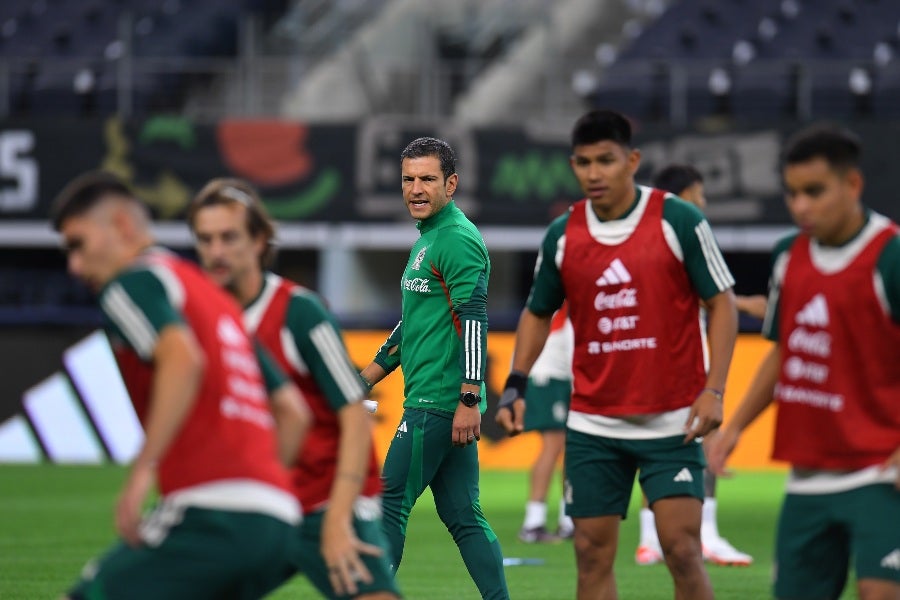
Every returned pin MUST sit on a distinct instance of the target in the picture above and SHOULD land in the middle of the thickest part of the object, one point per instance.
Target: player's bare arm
(758, 397)
(755, 305)
(293, 418)
(179, 368)
(340, 546)
(531, 335)
(706, 412)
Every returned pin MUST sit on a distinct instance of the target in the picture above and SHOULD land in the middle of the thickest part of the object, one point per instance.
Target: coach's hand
(466, 425)
(511, 409)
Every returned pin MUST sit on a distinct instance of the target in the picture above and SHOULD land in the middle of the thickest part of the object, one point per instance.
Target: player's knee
(593, 554)
(683, 556)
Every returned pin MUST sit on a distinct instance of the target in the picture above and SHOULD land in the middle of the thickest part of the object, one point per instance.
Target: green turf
(52, 519)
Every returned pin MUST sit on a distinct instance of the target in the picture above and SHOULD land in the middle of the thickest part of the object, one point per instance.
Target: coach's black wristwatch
(470, 399)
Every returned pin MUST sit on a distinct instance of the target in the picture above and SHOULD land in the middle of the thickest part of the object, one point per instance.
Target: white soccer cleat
(371, 405)
(648, 554)
(718, 551)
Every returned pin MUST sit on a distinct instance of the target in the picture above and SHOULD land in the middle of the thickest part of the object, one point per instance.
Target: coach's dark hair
(839, 146)
(86, 191)
(677, 178)
(600, 126)
(429, 146)
(227, 191)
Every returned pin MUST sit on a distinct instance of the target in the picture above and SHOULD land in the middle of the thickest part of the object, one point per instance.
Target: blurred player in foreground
(225, 521)
(336, 475)
(834, 315)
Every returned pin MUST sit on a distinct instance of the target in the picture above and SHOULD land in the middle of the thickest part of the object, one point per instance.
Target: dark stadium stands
(775, 59)
(63, 56)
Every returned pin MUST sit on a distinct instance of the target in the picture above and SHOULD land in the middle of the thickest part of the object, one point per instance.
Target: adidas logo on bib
(614, 274)
(814, 313)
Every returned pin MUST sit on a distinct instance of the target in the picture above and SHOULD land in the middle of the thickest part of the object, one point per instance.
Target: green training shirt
(441, 340)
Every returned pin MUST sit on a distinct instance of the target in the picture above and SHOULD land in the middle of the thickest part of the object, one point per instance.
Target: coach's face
(425, 190)
(605, 171)
(824, 201)
(224, 245)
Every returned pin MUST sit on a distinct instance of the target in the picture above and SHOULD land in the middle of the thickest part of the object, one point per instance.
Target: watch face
(469, 398)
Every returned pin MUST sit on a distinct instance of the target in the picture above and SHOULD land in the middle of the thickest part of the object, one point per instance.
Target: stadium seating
(62, 57)
(776, 59)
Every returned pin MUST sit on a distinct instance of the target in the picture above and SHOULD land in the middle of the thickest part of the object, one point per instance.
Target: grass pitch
(53, 519)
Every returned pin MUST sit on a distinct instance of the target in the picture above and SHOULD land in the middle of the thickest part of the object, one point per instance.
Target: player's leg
(648, 552)
(875, 529)
(716, 549)
(196, 554)
(407, 470)
(548, 406)
(672, 477)
(455, 490)
(565, 527)
(599, 477)
(534, 528)
(367, 526)
(812, 548)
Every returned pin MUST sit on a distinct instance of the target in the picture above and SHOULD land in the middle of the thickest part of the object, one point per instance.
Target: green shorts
(203, 553)
(819, 535)
(600, 472)
(307, 556)
(547, 404)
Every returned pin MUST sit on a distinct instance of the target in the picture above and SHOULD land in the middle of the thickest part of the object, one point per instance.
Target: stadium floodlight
(719, 82)
(859, 81)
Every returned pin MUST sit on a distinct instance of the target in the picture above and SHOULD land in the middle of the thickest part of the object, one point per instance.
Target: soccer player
(336, 475)
(633, 265)
(686, 182)
(441, 342)
(834, 315)
(548, 393)
(226, 517)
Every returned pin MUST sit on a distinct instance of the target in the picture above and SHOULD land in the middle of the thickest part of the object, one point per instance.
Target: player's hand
(341, 550)
(719, 448)
(466, 425)
(511, 417)
(705, 415)
(893, 461)
(511, 408)
(131, 501)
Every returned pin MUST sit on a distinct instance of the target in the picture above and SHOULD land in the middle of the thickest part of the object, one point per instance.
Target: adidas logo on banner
(815, 313)
(891, 561)
(614, 274)
(684, 475)
(80, 415)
